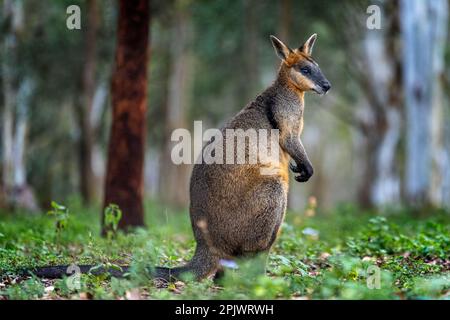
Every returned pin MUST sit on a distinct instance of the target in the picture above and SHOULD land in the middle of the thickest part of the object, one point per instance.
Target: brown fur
(235, 211)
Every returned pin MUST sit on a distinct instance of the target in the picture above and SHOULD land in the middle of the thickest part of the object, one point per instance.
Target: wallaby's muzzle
(322, 87)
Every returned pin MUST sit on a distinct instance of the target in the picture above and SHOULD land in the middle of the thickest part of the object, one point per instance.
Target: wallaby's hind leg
(263, 228)
(204, 263)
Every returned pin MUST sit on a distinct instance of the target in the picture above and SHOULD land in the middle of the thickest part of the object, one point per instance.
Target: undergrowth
(338, 254)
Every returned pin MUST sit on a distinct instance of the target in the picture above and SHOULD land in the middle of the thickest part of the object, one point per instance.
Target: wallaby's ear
(281, 49)
(309, 44)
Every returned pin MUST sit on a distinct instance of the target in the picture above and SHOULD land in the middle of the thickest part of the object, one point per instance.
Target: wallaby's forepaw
(305, 171)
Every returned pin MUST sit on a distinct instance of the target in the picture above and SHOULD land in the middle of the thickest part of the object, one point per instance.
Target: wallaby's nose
(326, 86)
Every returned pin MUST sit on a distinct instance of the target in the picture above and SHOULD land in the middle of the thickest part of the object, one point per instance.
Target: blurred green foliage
(411, 254)
(53, 57)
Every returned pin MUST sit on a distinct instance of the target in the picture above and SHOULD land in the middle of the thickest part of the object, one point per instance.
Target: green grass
(340, 254)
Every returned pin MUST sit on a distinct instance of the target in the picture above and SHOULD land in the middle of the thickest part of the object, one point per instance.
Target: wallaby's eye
(305, 70)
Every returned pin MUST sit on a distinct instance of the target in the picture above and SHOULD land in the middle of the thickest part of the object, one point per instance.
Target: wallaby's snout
(326, 86)
(323, 86)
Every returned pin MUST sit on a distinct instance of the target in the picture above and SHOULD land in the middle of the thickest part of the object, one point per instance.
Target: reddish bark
(124, 177)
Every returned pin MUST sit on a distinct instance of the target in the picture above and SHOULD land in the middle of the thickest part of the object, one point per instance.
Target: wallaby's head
(298, 67)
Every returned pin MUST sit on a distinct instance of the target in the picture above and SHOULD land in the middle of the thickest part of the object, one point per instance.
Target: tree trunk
(124, 178)
(421, 22)
(285, 20)
(382, 86)
(17, 192)
(98, 156)
(446, 143)
(22, 193)
(175, 178)
(440, 120)
(9, 95)
(386, 184)
(250, 83)
(446, 156)
(84, 105)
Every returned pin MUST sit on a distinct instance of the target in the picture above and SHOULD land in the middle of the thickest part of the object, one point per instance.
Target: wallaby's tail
(202, 265)
(171, 274)
(56, 272)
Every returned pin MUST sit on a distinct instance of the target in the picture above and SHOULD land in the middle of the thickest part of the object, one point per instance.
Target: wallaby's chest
(289, 119)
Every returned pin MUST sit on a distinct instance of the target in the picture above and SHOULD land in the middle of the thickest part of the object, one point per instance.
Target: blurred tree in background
(124, 182)
(424, 22)
(174, 182)
(84, 103)
(380, 138)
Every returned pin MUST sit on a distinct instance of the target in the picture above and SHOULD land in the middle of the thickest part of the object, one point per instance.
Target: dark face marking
(310, 69)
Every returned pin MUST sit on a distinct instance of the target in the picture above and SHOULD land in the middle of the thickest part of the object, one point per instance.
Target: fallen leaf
(84, 296)
(49, 289)
(133, 294)
(324, 255)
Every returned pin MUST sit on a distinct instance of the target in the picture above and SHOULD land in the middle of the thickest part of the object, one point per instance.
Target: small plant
(113, 214)
(28, 289)
(61, 214)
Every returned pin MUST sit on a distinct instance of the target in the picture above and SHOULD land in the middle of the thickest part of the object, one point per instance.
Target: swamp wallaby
(235, 210)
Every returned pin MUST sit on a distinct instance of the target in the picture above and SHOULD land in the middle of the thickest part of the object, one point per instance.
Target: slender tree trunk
(250, 83)
(440, 123)
(124, 178)
(421, 21)
(383, 89)
(17, 192)
(9, 47)
(285, 19)
(386, 185)
(175, 178)
(7, 133)
(98, 157)
(23, 195)
(84, 105)
(446, 156)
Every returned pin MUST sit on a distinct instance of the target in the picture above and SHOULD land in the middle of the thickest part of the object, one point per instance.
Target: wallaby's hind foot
(202, 265)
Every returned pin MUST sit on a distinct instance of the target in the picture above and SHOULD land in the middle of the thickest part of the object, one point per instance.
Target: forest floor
(339, 254)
